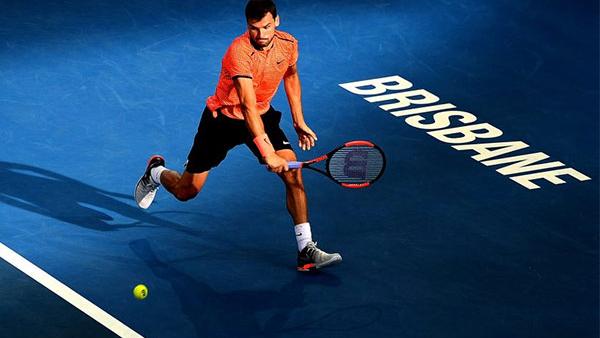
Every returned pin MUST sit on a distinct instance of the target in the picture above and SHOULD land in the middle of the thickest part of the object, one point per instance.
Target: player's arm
(293, 91)
(245, 91)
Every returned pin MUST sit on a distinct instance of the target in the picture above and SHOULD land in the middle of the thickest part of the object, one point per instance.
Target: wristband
(264, 145)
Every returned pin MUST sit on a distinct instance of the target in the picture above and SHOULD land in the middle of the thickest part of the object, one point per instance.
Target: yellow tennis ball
(140, 291)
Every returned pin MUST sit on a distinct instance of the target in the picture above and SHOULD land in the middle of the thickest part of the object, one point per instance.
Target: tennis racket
(356, 164)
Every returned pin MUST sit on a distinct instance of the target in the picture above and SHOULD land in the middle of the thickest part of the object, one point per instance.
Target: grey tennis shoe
(312, 258)
(146, 188)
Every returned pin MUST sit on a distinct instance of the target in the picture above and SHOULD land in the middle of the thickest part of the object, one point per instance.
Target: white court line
(66, 293)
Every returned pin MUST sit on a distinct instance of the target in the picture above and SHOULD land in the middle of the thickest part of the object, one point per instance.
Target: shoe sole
(147, 199)
(314, 267)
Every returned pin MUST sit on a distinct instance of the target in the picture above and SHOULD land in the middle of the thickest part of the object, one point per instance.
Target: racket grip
(294, 165)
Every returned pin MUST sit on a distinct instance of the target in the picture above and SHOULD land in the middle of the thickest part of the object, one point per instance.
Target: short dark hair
(257, 9)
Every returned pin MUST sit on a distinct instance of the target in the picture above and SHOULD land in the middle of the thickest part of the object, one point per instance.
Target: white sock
(155, 173)
(303, 235)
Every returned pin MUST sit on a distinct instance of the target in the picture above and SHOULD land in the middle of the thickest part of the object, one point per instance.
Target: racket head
(356, 164)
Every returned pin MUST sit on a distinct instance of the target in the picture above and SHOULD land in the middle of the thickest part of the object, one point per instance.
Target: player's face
(262, 31)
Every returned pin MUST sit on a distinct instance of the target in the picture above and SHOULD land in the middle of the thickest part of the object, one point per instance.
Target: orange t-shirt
(265, 67)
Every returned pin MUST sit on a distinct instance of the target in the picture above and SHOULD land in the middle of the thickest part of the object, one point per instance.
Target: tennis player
(239, 112)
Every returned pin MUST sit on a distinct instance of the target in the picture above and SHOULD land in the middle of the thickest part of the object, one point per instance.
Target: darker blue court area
(441, 246)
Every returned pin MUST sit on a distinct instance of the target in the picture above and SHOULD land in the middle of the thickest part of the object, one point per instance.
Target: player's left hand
(306, 137)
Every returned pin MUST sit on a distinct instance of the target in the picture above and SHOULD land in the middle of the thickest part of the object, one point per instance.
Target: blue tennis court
(443, 245)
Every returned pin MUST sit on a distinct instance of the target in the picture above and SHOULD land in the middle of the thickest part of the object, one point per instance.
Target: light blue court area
(443, 245)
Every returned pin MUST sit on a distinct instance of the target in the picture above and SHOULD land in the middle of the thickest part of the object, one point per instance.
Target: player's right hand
(276, 164)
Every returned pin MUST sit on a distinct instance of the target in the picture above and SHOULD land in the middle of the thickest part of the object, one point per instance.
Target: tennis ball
(140, 291)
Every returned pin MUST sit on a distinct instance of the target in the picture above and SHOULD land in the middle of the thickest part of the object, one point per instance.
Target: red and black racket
(356, 164)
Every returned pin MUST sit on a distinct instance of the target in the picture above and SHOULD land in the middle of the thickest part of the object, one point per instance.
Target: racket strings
(356, 164)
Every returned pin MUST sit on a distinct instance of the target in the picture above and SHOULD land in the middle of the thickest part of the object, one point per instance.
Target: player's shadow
(54, 195)
(236, 314)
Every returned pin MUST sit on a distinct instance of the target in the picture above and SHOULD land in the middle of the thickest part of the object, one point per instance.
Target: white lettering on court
(423, 111)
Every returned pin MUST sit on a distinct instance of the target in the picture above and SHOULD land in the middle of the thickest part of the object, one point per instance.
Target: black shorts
(216, 136)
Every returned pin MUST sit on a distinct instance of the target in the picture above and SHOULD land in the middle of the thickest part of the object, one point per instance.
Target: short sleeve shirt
(266, 68)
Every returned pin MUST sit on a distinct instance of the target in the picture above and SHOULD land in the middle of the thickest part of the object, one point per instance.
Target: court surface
(441, 246)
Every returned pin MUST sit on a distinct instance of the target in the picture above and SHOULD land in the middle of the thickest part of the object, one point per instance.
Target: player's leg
(183, 187)
(215, 137)
(294, 190)
(309, 256)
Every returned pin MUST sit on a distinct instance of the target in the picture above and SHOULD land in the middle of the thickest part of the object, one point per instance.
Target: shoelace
(313, 251)
(149, 183)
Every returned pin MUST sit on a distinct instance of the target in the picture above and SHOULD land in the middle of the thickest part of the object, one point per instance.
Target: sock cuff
(302, 228)
(156, 172)
(303, 234)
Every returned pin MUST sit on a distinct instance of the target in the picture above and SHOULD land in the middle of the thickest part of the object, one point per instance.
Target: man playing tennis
(240, 112)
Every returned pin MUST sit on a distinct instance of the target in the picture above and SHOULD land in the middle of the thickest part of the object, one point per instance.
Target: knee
(293, 178)
(186, 193)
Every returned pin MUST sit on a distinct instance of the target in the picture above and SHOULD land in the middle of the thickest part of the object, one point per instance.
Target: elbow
(292, 83)
(291, 79)
(245, 105)
(248, 108)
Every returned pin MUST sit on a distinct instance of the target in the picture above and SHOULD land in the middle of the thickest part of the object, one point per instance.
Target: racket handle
(294, 165)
